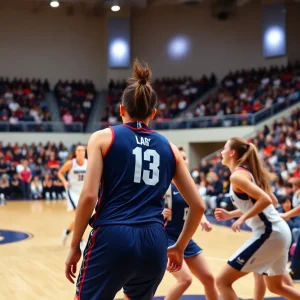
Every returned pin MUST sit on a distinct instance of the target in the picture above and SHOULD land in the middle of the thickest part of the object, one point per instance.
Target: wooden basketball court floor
(33, 267)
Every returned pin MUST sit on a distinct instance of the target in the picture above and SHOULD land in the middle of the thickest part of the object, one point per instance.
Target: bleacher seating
(175, 95)
(247, 92)
(75, 100)
(279, 148)
(23, 101)
(43, 162)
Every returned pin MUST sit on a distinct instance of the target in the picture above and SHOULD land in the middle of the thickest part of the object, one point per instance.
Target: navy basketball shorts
(191, 250)
(130, 257)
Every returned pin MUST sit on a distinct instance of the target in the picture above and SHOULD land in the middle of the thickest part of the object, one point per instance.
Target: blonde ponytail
(248, 157)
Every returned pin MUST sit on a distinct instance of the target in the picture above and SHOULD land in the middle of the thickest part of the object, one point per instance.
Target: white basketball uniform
(75, 178)
(266, 252)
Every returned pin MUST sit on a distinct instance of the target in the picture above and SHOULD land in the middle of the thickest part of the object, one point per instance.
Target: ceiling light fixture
(54, 3)
(115, 8)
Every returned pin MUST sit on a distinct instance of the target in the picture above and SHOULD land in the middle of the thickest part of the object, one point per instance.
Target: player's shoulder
(240, 176)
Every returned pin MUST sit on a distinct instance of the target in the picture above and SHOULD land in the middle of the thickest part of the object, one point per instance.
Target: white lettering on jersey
(143, 141)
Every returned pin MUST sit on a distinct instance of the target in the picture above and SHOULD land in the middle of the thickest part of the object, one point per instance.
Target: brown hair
(247, 156)
(139, 98)
(73, 154)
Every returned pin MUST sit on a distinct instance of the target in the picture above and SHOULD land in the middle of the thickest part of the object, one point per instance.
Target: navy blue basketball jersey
(138, 169)
(179, 213)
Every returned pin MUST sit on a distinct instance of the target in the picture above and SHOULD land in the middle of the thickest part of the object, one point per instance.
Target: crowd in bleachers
(75, 100)
(30, 171)
(279, 148)
(23, 100)
(174, 94)
(249, 91)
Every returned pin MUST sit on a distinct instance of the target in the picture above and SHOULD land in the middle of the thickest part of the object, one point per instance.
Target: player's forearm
(257, 208)
(61, 177)
(292, 213)
(190, 226)
(84, 211)
(235, 214)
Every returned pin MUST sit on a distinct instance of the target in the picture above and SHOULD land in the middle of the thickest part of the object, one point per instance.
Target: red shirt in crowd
(25, 175)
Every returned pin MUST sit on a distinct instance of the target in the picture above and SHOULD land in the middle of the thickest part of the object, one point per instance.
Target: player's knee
(221, 283)
(275, 288)
(208, 280)
(186, 281)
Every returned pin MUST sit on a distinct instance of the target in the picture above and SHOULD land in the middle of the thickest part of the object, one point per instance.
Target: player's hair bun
(141, 74)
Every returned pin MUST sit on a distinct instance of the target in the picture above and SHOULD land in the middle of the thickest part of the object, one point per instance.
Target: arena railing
(248, 119)
(24, 126)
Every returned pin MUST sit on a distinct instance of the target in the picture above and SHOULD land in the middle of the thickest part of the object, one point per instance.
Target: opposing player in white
(266, 252)
(76, 169)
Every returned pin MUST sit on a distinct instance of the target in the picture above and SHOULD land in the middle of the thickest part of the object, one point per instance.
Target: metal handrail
(31, 126)
(249, 119)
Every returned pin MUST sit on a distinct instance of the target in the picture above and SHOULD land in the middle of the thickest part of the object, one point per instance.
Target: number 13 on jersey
(139, 173)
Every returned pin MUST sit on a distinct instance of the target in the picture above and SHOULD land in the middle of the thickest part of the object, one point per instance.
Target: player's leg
(183, 281)
(72, 201)
(225, 281)
(152, 265)
(259, 287)
(275, 285)
(278, 282)
(68, 230)
(110, 259)
(200, 268)
(241, 263)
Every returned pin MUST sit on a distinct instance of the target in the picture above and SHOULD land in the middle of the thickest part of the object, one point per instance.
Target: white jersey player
(76, 169)
(266, 252)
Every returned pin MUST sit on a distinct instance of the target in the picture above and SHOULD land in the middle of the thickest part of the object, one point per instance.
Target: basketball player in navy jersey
(194, 261)
(134, 166)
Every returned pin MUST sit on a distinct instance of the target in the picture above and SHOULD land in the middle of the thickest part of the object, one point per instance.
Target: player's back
(138, 169)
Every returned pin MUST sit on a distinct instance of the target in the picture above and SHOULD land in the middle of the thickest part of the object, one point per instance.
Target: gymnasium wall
(51, 44)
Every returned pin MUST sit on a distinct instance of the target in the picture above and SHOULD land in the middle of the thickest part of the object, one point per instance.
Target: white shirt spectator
(8, 96)
(112, 119)
(276, 82)
(162, 105)
(19, 168)
(291, 166)
(13, 120)
(86, 104)
(182, 104)
(265, 81)
(240, 80)
(13, 106)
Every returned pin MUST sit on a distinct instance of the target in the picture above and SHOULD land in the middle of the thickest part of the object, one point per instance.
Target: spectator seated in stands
(75, 100)
(31, 170)
(23, 101)
(277, 148)
(247, 92)
(175, 95)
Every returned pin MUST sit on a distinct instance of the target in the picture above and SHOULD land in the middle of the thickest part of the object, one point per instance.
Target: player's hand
(205, 225)
(67, 185)
(71, 263)
(236, 226)
(222, 214)
(167, 213)
(175, 256)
